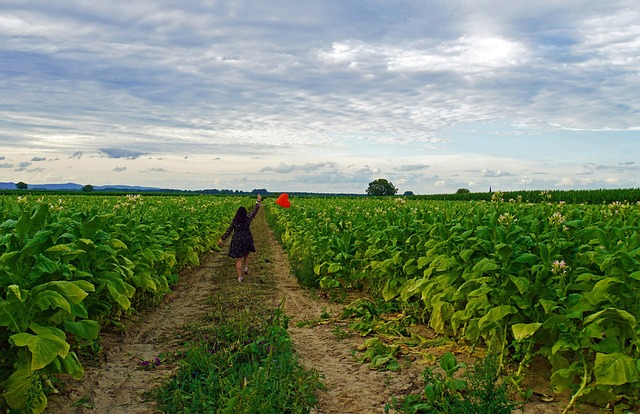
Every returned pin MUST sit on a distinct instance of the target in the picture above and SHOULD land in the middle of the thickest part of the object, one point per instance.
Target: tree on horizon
(381, 187)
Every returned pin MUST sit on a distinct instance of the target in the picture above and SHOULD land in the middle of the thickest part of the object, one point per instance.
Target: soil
(115, 382)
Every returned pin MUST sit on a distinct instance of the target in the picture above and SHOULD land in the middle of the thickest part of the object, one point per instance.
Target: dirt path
(116, 382)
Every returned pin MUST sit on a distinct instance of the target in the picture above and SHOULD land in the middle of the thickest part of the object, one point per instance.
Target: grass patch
(242, 368)
(239, 359)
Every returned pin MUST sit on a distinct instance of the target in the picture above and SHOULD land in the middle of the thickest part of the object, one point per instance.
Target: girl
(242, 240)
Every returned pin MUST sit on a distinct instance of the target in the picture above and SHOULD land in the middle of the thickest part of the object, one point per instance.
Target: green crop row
(556, 280)
(71, 265)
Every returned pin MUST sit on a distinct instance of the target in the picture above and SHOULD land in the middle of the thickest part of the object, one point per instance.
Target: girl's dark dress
(242, 240)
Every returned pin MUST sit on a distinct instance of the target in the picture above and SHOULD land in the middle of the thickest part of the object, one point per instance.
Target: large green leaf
(528, 258)
(43, 266)
(486, 265)
(504, 250)
(13, 311)
(524, 330)
(411, 287)
(10, 259)
(39, 218)
(565, 342)
(22, 225)
(60, 248)
(615, 369)
(70, 290)
(118, 244)
(562, 379)
(44, 347)
(37, 244)
(22, 387)
(496, 315)
(466, 254)
(606, 316)
(522, 284)
(116, 289)
(144, 280)
(72, 366)
(441, 315)
(87, 329)
(390, 290)
(51, 299)
(449, 364)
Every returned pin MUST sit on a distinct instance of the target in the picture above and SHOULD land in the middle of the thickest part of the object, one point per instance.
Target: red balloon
(283, 200)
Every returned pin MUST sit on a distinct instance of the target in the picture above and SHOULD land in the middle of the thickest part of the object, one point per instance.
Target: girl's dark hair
(241, 215)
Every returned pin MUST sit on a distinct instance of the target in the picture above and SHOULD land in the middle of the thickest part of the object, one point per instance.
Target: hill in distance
(76, 187)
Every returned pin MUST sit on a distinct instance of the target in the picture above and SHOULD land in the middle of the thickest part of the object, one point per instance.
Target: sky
(321, 96)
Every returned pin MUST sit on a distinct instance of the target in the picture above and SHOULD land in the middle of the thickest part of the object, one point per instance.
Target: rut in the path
(118, 384)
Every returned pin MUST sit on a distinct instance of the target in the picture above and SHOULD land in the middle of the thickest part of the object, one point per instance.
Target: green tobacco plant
(42, 349)
(448, 391)
(379, 356)
(69, 265)
(37, 312)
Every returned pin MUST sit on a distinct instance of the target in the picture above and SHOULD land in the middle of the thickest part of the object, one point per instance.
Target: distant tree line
(599, 196)
(383, 187)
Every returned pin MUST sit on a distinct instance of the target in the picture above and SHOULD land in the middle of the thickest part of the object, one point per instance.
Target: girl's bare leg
(239, 268)
(245, 262)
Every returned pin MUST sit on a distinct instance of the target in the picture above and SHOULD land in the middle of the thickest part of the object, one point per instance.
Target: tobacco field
(521, 280)
(71, 265)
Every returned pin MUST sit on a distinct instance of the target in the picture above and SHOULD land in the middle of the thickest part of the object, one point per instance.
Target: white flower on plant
(559, 267)
(507, 219)
(497, 196)
(556, 219)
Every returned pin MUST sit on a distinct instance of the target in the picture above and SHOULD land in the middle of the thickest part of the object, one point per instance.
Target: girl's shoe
(240, 279)
(246, 270)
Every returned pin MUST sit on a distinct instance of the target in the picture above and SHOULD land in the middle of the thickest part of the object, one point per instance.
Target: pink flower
(559, 267)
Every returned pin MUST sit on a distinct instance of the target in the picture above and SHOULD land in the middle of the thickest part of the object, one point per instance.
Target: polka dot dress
(242, 239)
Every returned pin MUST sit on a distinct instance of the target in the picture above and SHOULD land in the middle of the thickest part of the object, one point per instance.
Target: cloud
(121, 153)
(622, 167)
(464, 55)
(499, 173)
(365, 169)
(6, 165)
(36, 159)
(411, 167)
(308, 167)
(22, 166)
(157, 169)
(273, 88)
